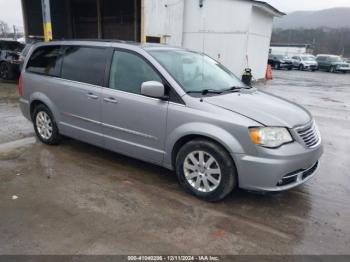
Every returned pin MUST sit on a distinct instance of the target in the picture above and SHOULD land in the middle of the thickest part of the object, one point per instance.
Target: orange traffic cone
(269, 72)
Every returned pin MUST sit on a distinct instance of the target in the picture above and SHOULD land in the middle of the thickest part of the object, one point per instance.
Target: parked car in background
(305, 62)
(332, 63)
(171, 107)
(9, 59)
(280, 62)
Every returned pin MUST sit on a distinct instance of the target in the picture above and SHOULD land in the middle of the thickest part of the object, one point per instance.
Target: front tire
(332, 69)
(45, 126)
(206, 170)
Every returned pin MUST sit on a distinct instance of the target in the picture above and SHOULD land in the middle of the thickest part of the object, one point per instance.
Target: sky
(10, 10)
(301, 5)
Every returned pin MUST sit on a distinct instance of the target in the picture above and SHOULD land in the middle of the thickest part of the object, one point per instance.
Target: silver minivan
(171, 107)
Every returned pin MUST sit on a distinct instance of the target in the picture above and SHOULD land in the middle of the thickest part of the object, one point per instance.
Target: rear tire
(277, 66)
(6, 71)
(332, 69)
(301, 68)
(45, 126)
(206, 170)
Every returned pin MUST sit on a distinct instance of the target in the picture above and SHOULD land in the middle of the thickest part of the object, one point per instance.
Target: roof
(106, 43)
(267, 7)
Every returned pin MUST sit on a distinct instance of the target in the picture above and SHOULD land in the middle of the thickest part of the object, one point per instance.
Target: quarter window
(84, 64)
(46, 61)
(129, 71)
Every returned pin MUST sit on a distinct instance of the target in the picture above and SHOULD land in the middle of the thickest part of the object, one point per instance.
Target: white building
(291, 49)
(235, 32)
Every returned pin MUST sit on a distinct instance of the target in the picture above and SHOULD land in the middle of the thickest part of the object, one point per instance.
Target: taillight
(20, 85)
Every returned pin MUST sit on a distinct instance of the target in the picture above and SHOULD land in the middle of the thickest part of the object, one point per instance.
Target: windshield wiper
(234, 89)
(205, 92)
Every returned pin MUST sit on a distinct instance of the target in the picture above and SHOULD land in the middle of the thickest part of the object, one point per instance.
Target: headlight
(270, 137)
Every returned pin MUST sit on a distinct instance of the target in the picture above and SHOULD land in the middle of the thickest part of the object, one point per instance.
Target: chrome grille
(309, 135)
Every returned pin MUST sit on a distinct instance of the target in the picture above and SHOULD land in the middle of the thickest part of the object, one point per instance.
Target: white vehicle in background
(305, 62)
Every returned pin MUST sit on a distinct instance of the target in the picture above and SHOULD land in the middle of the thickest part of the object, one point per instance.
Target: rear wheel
(277, 66)
(45, 126)
(206, 170)
(301, 68)
(332, 69)
(5, 71)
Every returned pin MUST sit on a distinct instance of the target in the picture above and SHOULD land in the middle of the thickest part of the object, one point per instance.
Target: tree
(325, 40)
(4, 29)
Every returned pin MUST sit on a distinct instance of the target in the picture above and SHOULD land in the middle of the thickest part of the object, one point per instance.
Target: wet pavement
(79, 199)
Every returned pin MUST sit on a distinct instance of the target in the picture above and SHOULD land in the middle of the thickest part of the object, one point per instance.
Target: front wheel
(332, 69)
(206, 170)
(45, 126)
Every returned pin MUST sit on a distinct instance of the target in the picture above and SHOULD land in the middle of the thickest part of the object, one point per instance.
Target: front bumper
(286, 65)
(311, 67)
(279, 171)
(343, 69)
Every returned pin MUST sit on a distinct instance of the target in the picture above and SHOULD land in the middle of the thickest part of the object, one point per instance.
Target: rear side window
(84, 64)
(129, 71)
(46, 60)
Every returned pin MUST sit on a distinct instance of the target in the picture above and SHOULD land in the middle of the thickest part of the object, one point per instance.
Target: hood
(341, 64)
(286, 60)
(262, 107)
(310, 63)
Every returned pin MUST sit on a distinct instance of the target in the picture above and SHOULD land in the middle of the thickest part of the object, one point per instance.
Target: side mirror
(153, 89)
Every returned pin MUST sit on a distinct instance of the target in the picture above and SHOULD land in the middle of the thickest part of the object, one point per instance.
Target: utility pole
(14, 32)
(45, 5)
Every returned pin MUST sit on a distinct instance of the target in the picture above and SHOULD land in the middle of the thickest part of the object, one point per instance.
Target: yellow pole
(45, 5)
(143, 35)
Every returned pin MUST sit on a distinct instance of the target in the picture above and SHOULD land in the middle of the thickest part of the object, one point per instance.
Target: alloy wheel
(202, 171)
(44, 125)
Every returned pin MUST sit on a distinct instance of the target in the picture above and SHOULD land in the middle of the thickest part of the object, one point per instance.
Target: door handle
(92, 96)
(110, 100)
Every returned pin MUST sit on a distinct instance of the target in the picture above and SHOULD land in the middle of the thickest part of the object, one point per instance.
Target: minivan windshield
(197, 72)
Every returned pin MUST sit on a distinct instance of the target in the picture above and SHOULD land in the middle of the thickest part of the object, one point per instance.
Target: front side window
(46, 60)
(196, 72)
(84, 64)
(129, 71)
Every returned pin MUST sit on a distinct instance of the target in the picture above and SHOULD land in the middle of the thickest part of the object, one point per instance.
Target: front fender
(216, 133)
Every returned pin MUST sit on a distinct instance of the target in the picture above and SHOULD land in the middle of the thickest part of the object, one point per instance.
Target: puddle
(13, 150)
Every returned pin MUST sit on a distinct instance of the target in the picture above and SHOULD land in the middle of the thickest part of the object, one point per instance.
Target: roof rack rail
(97, 40)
